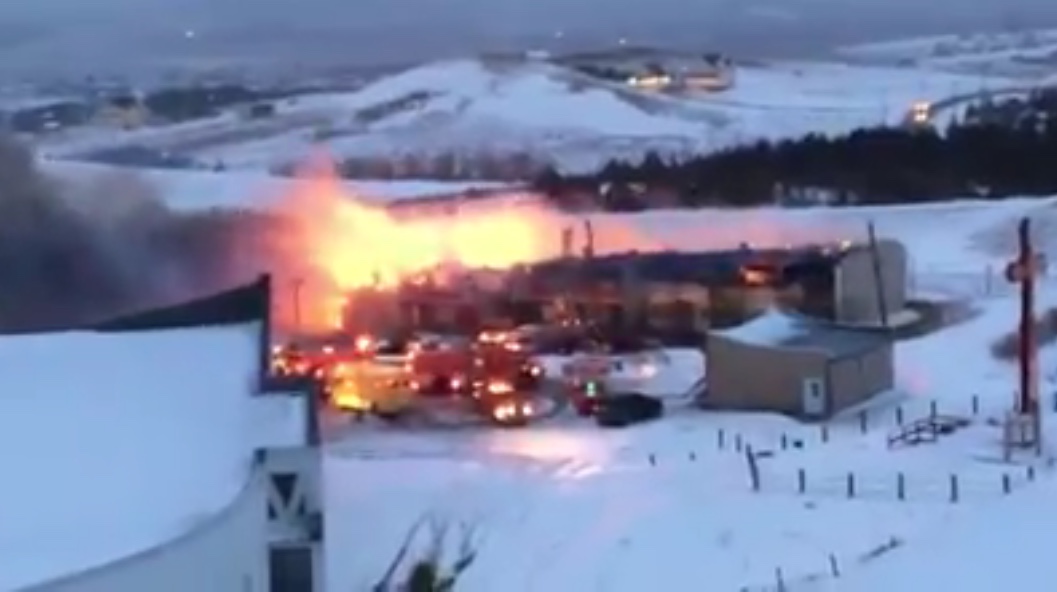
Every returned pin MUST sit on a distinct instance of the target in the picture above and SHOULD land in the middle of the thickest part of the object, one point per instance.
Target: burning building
(675, 296)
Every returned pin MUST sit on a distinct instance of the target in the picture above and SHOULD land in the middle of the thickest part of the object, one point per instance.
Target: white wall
(226, 553)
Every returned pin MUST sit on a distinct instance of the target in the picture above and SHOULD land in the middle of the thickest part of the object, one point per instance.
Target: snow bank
(115, 443)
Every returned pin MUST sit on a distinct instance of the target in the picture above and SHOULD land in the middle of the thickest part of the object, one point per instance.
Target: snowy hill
(1029, 54)
(200, 190)
(475, 108)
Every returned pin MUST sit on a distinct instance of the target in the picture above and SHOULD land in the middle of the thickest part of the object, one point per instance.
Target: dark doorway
(290, 569)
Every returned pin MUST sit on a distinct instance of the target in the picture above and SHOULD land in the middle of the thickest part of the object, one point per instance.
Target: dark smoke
(71, 255)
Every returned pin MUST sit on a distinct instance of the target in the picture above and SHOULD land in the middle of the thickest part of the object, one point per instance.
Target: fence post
(738, 444)
(862, 421)
(933, 410)
(899, 415)
(825, 433)
(954, 489)
(779, 579)
(801, 480)
(851, 484)
(976, 404)
(785, 442)
(1031, 473)
(721, 439)
(1007, 485)
(653, 460)
(901, 487)
(693, 456)
(834, 568)
(754, 468)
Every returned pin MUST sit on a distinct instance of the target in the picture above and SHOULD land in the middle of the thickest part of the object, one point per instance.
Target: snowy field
(94, 430)
(472, 107)
(668, 505)
(566, 506)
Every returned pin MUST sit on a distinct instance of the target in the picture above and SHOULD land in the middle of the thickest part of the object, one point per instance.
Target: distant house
(48, 117)
(651, 81)
(259, 111)
(714, 73)
(711, 74)
(652, 76)
(123, 111)
(708, 79)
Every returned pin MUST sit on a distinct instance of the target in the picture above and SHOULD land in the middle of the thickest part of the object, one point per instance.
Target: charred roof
(710, 267)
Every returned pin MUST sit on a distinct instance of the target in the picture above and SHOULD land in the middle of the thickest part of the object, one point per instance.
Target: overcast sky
(81, 34)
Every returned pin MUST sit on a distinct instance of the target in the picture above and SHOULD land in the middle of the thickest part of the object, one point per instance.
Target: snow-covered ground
(567, 506)
(472, 107)
(111, 444)
(196, 190)
(1030, 54)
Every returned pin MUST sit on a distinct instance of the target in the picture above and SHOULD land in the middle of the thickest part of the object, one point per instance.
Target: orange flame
(344, 243)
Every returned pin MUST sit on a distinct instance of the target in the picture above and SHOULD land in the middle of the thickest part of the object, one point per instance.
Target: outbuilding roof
(782, 329)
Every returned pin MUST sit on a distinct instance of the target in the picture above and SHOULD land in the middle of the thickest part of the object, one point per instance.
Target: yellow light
(500, 387)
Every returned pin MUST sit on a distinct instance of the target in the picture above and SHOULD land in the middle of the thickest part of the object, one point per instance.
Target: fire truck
(440, 365)
(351, 378)
(498, 376)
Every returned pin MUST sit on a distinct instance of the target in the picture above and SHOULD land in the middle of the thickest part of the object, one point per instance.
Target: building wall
(856, 283)
(856, 379)
(735, 379)
(226, 553)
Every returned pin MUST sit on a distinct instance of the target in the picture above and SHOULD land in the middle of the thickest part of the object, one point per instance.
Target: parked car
(616, 411)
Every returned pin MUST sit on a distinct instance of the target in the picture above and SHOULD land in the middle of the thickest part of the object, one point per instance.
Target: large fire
(343, 243)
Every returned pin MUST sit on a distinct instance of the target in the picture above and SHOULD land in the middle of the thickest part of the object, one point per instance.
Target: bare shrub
(430, 571)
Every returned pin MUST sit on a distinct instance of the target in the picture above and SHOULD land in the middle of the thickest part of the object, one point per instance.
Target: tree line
(983, 155)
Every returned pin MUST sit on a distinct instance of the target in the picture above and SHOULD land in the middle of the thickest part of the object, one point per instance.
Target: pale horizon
(69, 37)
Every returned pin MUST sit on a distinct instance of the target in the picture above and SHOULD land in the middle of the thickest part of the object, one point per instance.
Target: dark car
(618, 411)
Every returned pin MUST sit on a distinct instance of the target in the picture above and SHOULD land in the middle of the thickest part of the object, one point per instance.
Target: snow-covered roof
(115, 443)
(771, 328)
(781, 329)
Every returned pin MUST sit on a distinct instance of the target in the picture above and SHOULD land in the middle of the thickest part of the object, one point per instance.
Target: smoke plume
(75, 254)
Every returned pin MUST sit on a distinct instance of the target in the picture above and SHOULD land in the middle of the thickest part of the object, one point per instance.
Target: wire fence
(831, 567)
(895, 486)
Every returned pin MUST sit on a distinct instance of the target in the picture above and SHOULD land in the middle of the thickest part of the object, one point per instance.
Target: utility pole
(1023, 271)
(298, 284)
(589, 239)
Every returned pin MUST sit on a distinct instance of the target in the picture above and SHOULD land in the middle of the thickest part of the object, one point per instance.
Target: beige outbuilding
(787, 363)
